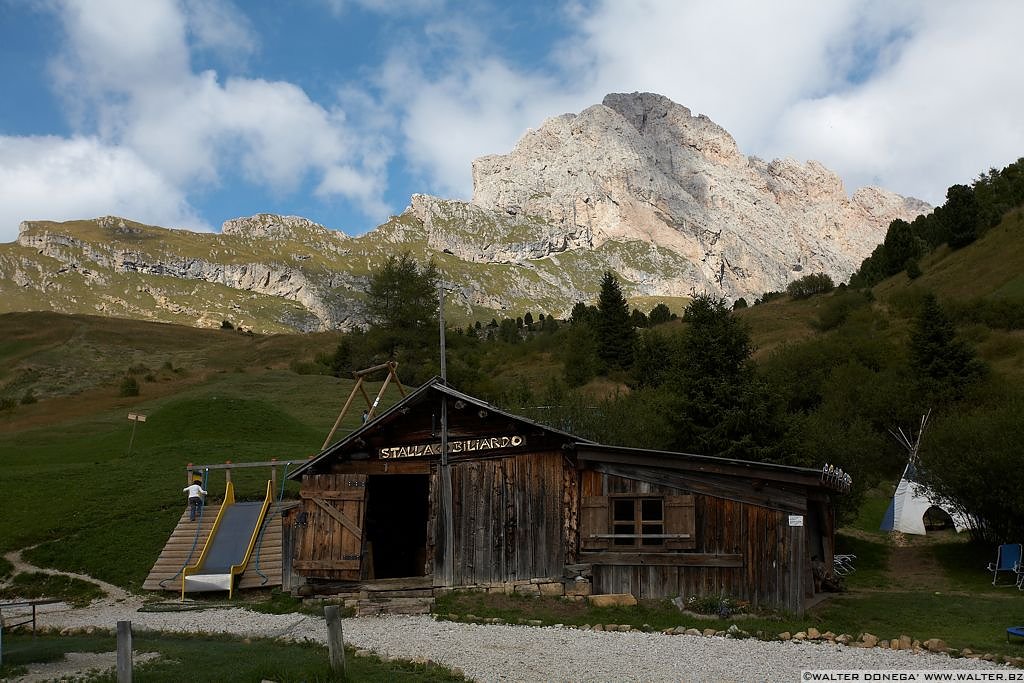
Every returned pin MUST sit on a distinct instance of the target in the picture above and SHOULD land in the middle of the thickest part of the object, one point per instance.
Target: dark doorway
(397, 510)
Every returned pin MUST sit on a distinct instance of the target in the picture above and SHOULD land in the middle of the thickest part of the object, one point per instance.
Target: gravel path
(523, 653)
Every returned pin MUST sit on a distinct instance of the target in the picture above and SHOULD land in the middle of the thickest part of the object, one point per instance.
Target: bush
(913, 269)
(809, 285)
(129, 387)
(837, 309)
(28, 398)
(766, 297)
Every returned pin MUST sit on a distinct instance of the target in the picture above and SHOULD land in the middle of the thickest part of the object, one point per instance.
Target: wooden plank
(681, 462)
(340, 517)
(326, 494)
(594, 523)
(382, 467)
(316, 565)
(663, 559)
(679, 522)
(736, 490)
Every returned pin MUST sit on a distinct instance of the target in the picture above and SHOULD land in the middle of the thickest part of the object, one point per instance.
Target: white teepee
(912, 500)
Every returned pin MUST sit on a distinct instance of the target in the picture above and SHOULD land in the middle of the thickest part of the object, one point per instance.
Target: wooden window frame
(636, 536)
(597, 525)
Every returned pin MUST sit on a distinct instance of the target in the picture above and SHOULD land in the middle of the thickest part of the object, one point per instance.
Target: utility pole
(447, 511)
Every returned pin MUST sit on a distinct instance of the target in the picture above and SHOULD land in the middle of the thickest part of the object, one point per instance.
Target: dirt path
(21, 566)
(913, 567)
(74, 665)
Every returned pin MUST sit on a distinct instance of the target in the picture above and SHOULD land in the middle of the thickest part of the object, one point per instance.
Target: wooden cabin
(521, 507)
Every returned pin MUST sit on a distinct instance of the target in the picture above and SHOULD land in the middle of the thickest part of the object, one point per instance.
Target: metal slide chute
(230, 545)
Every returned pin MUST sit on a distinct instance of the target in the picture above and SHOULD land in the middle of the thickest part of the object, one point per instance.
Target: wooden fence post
(335, 638)
(124, 652)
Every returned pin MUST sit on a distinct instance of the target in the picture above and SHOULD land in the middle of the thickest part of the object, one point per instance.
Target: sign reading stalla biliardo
(461, 446)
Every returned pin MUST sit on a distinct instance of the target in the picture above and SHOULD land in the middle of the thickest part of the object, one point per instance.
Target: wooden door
(330, 526)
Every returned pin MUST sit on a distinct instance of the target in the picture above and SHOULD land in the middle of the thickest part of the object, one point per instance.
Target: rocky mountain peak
(274, 227)
(665, 124)
(639, 167)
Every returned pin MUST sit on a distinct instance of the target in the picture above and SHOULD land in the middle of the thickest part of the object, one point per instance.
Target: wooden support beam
(335, 639)
(340, 517)
(124, 652)
(662, 559)
(352, 395)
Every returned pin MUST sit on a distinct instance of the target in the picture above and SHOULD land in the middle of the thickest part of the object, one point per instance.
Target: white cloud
(912, 96)
(478, 105)
(945, 109)
(394, 7)
(219, 26)
(52, 178)
(126, 71)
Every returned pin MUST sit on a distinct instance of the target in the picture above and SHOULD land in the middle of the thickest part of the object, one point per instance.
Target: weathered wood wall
(740, 550)
(509, 518)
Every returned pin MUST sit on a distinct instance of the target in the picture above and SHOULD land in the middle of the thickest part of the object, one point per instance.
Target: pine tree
(615, 332)
(944, 364)
(722, 408)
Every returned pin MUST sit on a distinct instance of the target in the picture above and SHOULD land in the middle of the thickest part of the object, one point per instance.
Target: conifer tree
(615, 332)
(944, 364)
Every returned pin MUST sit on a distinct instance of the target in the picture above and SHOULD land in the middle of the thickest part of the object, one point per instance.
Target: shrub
(129, 386)
(837, 309)
(28, 398)
(766, 297)
(809, 285)
(913, 269)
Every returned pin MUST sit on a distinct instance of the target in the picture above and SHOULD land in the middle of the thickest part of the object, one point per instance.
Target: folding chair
(1008, 559)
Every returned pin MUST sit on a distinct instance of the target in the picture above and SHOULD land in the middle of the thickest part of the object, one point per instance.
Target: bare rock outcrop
(639, 167)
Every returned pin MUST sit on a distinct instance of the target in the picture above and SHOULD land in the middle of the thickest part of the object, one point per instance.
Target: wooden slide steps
(177, 551)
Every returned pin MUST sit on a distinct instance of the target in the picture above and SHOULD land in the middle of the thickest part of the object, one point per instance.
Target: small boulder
(612, 600)
(813, 633)
(869, 640)
(785, 635)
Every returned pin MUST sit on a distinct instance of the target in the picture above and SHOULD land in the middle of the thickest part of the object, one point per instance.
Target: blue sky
(185, 113)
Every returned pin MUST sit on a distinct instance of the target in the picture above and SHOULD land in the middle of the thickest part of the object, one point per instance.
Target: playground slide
(229, 546)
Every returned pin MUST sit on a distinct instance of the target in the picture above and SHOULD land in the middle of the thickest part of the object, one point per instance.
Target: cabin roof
(395, 413)
(690, 462)
(585, 451)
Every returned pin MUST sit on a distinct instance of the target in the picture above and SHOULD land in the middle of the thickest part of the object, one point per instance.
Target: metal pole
(447, 503)
(440, 318)
(135, 423)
